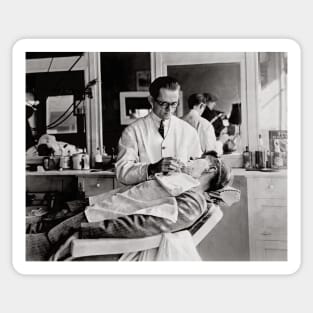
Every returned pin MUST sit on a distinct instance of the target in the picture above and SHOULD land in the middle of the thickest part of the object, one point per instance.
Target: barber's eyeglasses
(165, 104)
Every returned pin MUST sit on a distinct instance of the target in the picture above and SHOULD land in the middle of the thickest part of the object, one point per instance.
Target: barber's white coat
(141, 144)
(204, 128)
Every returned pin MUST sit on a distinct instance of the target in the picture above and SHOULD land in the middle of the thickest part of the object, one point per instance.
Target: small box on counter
(278, 148)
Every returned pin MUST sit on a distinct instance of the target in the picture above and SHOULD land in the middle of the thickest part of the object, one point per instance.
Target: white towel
(176, 183)
(173, 247)
(152, 197)
(147, 198)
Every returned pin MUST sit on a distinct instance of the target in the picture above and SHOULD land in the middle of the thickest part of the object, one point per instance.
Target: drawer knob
(271, 187)
(266, 233)
(98, 185)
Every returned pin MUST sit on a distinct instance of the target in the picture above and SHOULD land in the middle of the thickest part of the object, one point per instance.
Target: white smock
(141, 144)
(204, 128)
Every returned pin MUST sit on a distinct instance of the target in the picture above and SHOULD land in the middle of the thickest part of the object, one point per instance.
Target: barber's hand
(165, 166)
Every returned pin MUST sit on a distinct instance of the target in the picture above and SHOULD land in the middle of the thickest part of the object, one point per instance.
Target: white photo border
(157, 45)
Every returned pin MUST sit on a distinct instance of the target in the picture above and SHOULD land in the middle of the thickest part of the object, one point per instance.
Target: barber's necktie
(161, 129)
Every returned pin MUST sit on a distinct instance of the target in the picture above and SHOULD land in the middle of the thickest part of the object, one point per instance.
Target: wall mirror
(221, 74)
(68, 101)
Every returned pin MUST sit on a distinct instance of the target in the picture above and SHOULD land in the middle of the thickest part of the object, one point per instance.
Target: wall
(118, 73)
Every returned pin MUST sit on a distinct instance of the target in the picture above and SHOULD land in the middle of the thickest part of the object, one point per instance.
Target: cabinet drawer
(269, 187)
(270, 219)
(270, 251)
(93, 186)
(49, 183)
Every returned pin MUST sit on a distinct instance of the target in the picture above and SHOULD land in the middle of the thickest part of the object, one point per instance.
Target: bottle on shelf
(68, 161)
(98, 159)
(62, 163)
(85, 160)
(247, 158)
(268, 159)
(260, 154)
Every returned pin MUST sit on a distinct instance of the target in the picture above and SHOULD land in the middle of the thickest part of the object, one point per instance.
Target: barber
(197, 104)
(158, 142)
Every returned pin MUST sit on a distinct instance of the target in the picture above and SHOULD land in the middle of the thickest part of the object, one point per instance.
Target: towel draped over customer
(153, 197)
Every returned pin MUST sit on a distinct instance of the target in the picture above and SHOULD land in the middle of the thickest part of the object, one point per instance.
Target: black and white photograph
(156, 156)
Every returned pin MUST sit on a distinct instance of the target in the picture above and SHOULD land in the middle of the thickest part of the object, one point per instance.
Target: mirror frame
(248, 75)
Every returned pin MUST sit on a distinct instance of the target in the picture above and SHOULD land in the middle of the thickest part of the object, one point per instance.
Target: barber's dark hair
(166, 82)
(223, 175)
(196, 99)
(209, 97)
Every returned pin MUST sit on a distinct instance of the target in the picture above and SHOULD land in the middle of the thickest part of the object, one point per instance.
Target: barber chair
(93, 249)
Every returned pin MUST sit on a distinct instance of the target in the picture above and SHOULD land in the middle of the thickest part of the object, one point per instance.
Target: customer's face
(166, 103)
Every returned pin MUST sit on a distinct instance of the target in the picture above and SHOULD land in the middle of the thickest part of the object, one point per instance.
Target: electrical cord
(50, 64)
(75, 63)
(55, 124)
(58, 121)
(51, 125)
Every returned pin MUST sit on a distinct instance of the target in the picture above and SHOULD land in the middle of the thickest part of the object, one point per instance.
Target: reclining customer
(211, 173)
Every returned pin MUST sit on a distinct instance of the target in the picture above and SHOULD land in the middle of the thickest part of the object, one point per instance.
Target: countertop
(107, 173)
(111, 173)
(243, 172)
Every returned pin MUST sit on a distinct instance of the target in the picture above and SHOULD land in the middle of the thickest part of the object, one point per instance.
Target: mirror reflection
(220, 85)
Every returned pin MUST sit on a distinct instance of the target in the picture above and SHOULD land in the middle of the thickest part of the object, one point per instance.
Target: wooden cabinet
(71, 183)
(92, 186)
(229, 240)
(255, 228)
(47, 183)
(267, 209)
(270, 250)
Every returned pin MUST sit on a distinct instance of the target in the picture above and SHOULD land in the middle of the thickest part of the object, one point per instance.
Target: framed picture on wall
(143, 80)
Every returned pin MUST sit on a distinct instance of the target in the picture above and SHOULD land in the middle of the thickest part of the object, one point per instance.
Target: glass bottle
(85, 159)
(247, 158)
(260, 156)
(98, 159)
